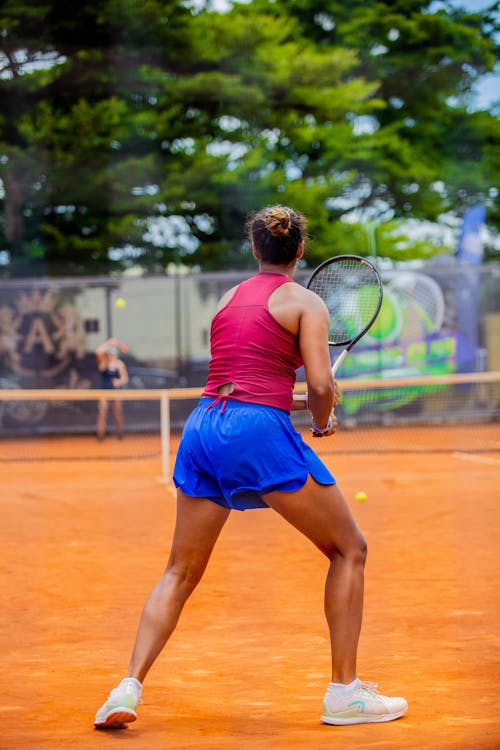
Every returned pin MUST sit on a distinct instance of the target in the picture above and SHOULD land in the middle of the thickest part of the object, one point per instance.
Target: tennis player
(113, 375)
(239, 450)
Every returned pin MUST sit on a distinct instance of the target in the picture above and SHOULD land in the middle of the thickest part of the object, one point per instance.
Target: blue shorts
(234, 452)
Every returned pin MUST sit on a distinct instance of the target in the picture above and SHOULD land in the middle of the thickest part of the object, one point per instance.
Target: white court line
(477, 459)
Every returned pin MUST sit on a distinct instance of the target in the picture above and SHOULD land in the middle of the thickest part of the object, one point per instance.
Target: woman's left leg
(117, 407)
(198, 525)
(102, 413)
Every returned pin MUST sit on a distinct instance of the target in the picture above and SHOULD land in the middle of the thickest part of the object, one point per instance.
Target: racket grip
(338, 362)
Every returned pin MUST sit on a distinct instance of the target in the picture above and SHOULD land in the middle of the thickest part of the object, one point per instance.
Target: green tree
(136, 132)
(278, 119)
(426, 152)
(80, 160)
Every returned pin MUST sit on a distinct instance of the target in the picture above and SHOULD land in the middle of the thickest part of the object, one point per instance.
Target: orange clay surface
(85, 534)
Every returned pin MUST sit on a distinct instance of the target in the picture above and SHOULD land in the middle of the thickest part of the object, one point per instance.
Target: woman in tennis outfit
(239, 450)
(114, 375)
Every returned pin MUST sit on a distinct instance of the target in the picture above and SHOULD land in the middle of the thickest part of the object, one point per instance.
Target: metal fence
(439, 317)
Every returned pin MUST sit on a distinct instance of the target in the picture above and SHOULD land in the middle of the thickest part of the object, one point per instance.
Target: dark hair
(276, 232)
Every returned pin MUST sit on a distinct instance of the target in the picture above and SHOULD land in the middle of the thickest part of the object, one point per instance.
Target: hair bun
(277, 220)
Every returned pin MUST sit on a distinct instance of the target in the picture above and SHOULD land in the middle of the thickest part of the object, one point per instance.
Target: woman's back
(254, 357)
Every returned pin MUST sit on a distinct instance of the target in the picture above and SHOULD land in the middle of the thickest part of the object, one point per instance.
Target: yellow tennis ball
(120, 302)
(361, 497)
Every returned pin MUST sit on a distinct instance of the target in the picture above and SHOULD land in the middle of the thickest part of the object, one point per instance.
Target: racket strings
(351, 292)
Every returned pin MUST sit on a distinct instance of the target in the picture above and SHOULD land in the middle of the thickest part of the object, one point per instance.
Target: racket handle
(338, 362)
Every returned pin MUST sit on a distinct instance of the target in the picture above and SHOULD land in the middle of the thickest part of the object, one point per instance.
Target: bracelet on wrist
(322, 430)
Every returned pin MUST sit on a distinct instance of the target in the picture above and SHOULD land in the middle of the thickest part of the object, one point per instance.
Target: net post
(165, 435)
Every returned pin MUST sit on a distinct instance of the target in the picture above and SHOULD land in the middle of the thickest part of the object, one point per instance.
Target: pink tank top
(251, 349)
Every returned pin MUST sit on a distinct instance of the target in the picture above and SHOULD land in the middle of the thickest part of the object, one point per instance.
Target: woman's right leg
(198, 525)
(321, 513)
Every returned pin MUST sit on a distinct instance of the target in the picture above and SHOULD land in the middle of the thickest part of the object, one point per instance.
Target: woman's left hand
(336, 394)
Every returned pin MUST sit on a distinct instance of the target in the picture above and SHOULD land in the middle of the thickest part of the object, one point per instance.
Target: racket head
(351, 288)
(423, 295)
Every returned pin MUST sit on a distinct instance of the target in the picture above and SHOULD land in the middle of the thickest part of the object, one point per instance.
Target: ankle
(134, 681)
(344, 676)
(342, 687)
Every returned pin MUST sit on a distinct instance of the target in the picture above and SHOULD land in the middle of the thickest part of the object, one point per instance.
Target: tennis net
(427, 413)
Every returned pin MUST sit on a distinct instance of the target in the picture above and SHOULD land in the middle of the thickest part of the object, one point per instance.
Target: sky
(488, 90)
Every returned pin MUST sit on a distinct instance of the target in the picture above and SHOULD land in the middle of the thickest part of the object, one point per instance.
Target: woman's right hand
(331, 429)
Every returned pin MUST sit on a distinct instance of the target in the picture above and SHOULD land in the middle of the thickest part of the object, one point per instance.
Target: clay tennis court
(85, 534)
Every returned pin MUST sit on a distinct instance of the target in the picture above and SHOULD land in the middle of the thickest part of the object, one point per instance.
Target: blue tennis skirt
(233, 452)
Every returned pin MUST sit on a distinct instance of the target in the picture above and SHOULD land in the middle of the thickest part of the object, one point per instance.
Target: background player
(113, 375)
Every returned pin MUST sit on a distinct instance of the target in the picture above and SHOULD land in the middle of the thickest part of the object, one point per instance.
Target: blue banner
(470, 246)
(469, 251)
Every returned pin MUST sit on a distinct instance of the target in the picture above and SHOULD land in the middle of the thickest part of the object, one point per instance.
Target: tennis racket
(351, 288)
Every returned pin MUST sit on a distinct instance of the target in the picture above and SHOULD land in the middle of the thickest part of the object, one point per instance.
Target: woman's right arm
(313, 341)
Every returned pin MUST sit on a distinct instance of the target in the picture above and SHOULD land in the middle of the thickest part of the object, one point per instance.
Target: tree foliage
(137, 132)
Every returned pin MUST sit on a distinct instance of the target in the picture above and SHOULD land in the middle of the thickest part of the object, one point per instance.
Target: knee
(354, 550)
(184, 575)
(362, 549)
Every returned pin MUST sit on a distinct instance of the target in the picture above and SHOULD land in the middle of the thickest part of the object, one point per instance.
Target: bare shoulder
(293, 305)
(296, 296)
(308, 300)
(226, 298)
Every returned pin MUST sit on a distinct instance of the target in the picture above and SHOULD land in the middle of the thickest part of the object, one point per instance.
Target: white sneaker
(119, 709)
(361, 706)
